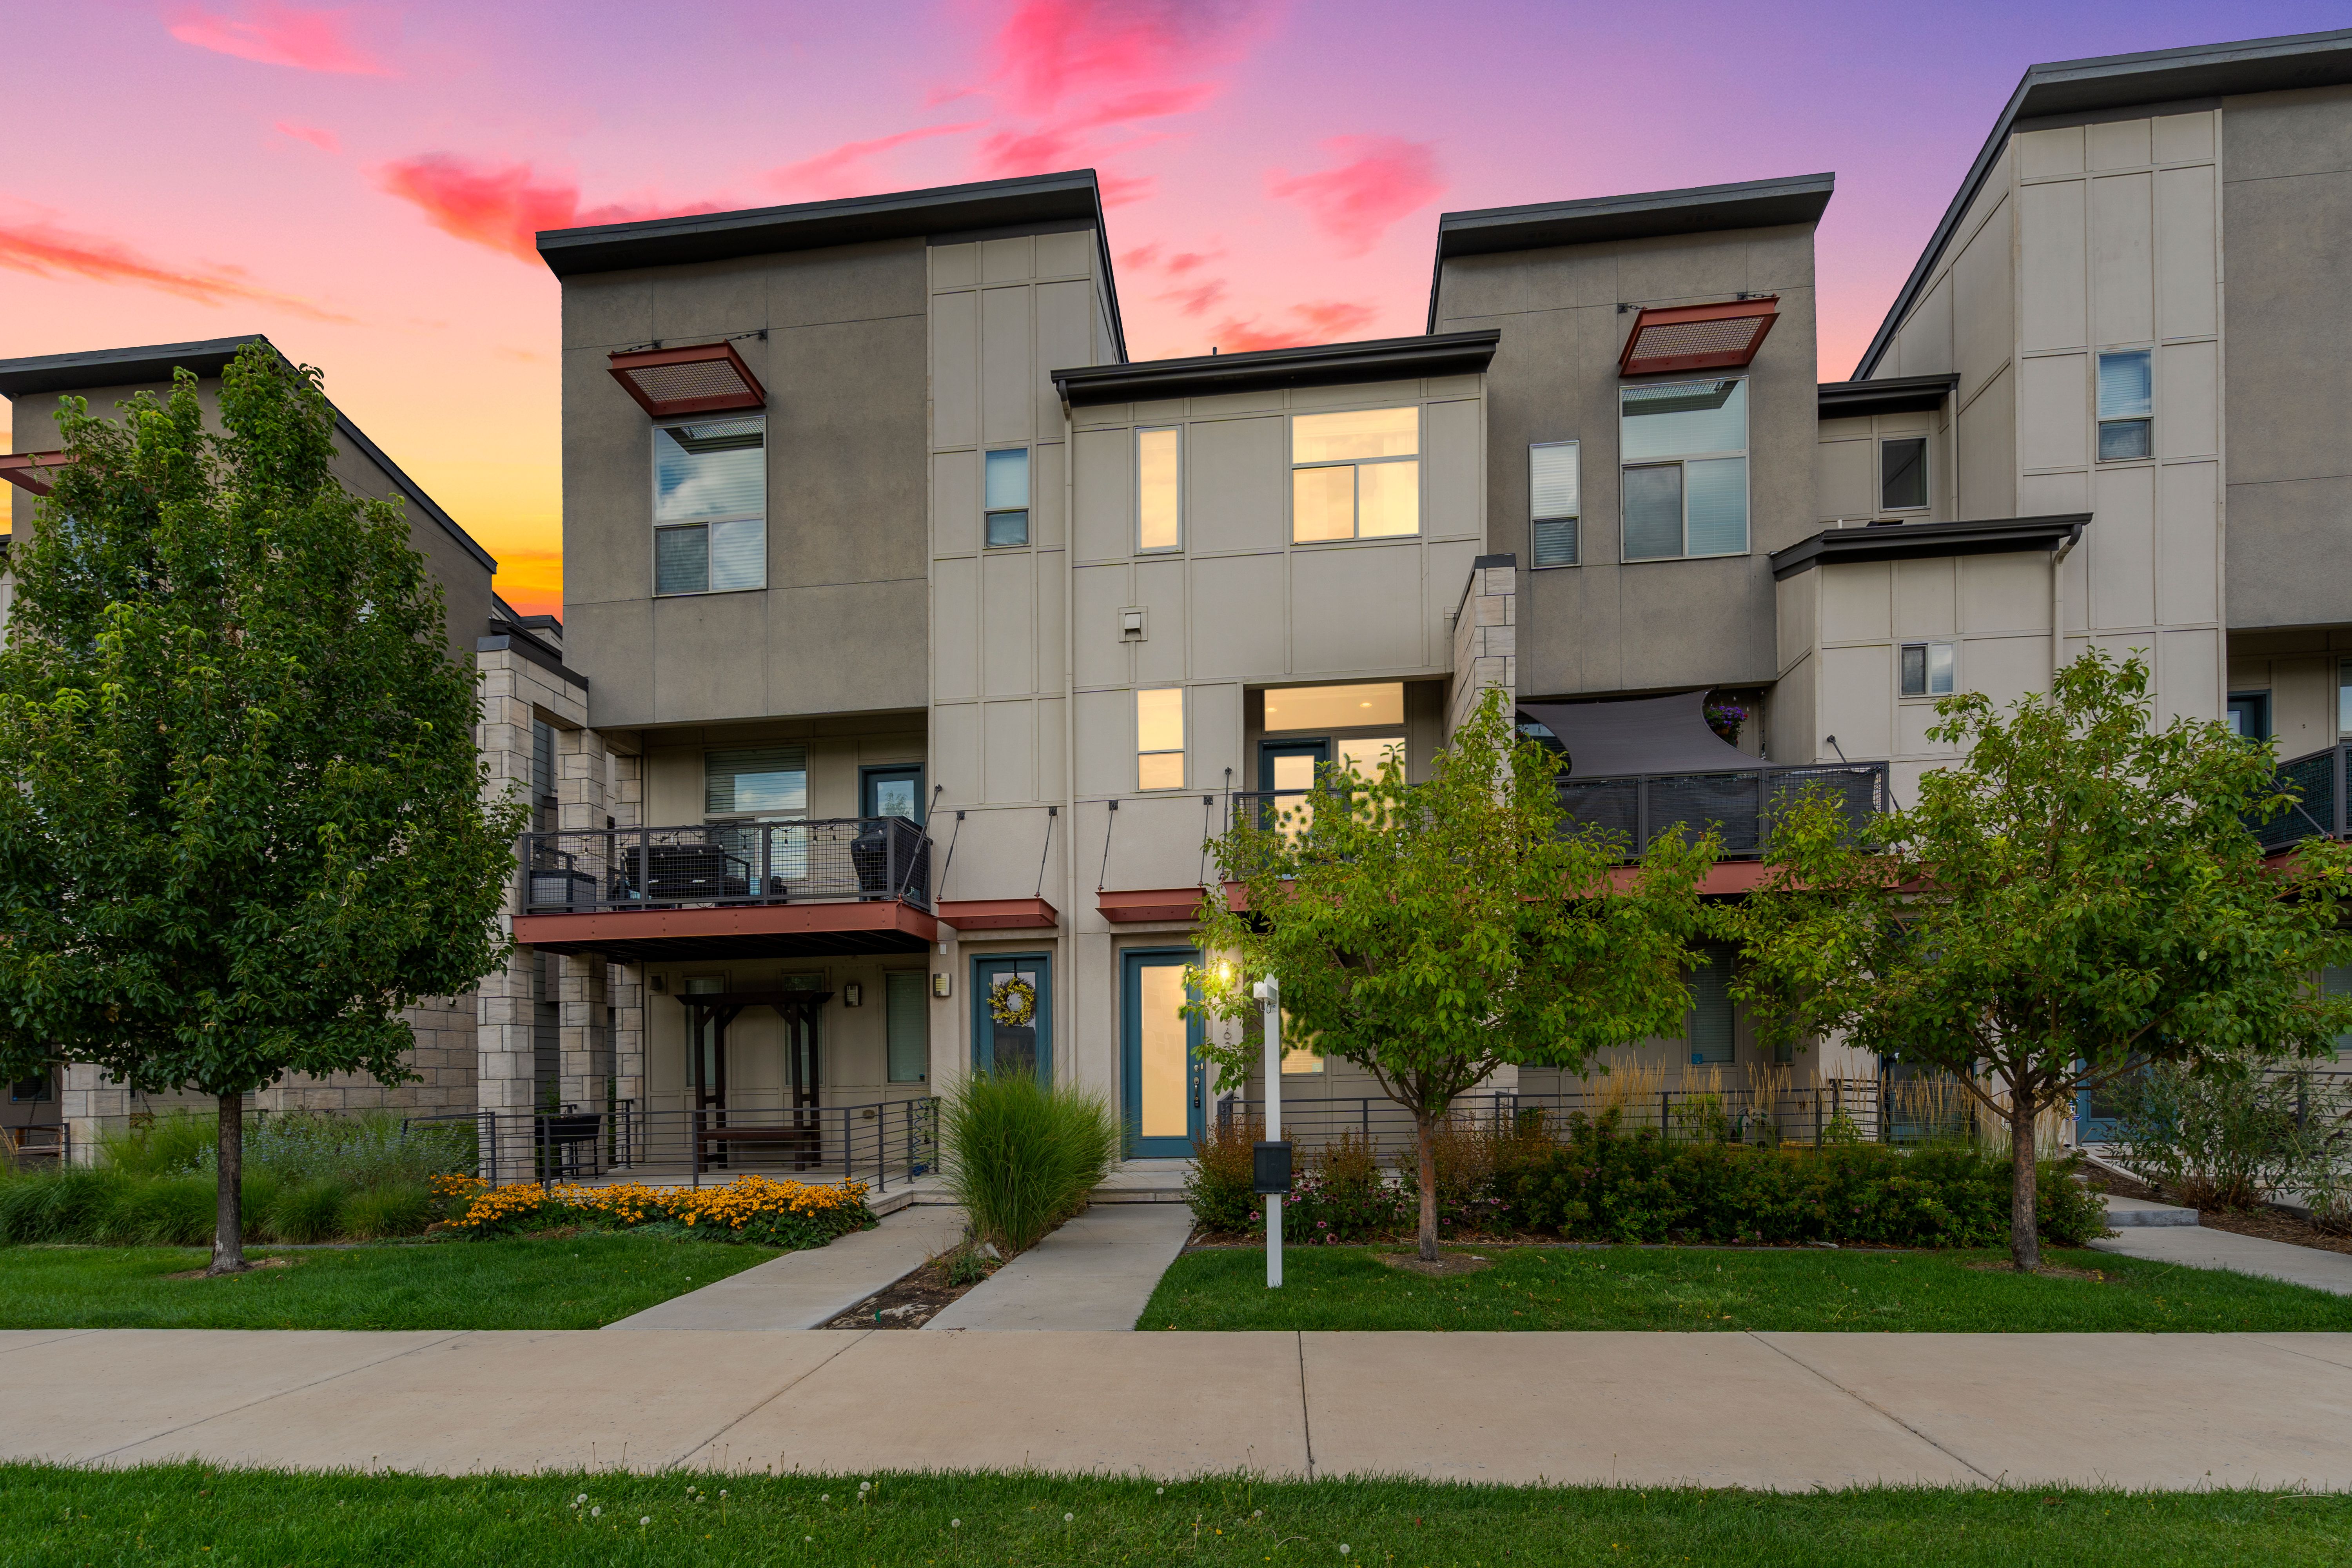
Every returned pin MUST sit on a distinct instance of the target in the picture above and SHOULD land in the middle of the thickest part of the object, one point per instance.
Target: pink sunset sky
(362, 182)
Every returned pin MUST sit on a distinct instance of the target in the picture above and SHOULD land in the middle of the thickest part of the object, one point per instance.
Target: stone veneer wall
(1485, 636)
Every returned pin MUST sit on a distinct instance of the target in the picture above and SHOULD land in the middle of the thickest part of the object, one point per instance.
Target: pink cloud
(1196, 300)
(1381, 180)
(504, 205)
(1184, 261)
(325, 141)
(838, 172)
(1320, 321)
(43, 251)
(281, 36)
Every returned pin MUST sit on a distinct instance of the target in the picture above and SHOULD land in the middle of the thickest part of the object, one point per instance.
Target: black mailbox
(1272, 1168)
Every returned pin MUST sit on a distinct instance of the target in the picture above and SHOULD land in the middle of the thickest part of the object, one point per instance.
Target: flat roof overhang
(1261, 370)
(1927, 541)
(748, 931)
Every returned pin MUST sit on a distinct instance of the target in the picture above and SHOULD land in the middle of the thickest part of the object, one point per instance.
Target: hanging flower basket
(1013, 1002)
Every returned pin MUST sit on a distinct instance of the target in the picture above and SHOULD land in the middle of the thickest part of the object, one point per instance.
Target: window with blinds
(1710, 1015)
(711, 505)
(756, 781)
(907, 1003)
(2126, 405)
(1554, 502)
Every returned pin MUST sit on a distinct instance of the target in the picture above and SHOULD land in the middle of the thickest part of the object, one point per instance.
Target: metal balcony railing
(2317, 782)
(1643, 807)
(832, 861)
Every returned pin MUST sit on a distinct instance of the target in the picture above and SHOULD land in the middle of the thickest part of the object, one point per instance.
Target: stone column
(1486, 637)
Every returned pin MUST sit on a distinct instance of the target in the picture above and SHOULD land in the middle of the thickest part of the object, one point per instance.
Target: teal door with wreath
(1013, 1015)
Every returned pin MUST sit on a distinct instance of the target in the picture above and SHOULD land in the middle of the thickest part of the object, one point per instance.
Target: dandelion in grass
(1343, 1549)
(596, 1512)
(825, 1497)
(865, 1486)
(645, 1522)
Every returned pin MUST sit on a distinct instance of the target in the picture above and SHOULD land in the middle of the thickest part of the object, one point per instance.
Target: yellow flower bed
(746, 1201)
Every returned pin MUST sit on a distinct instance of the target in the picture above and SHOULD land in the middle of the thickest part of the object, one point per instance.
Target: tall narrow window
(1710, 1014)
(1160, 738)
(1159, 490)
(908, 1004)
(1927, 669)
(711, 506)
(1355, 475)
(1685, 447)
(1554, 502)
(1903, 474)
(2126, 405)
(1007, 500)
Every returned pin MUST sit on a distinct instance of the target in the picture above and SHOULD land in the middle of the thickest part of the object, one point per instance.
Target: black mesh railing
(2318, 784)
(830, 860)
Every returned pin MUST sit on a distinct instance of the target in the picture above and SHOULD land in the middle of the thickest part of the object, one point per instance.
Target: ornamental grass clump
(1023, 1154)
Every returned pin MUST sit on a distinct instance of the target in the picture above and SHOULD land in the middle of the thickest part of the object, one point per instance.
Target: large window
(711, 506)
(1555, 502)
(1683, 444)
(1290, 708)
(1160, 738)
(756, 782)
(906, 1002)
(1903, 474)
(1159, 490)
(1007, 501)
(1355, 475)
(2126, 405)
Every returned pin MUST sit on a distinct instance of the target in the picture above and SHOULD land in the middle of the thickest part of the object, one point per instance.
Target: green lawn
(1701, 1288)
(583, 1282)
(52, 1518)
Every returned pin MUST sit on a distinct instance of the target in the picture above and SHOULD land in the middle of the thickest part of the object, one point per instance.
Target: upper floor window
(1903, 474)
(756, 782)
(1355, 475)
(1160, 738)
(711, 506)
(1007, 499)
(1683, 444)
(1554, 502)
(1927, 669)
(1159, 490)
(2126, 405)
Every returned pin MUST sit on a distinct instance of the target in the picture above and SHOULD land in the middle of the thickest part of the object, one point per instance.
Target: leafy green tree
(1432, 932)
(242, 817)
(2078, 898)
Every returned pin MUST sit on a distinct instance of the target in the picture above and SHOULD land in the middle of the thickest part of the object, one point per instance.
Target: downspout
(1070, 720)
(2058, 603)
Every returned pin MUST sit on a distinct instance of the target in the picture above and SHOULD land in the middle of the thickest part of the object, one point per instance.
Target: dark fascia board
(205, 359)
(1895, 394)
(1927, 541)
(1643, 215)
(2113, 81)
(1073, 194)
(531, 648)
(1320, 364)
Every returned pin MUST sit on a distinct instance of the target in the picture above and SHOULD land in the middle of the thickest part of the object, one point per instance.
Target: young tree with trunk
(2079, 896)
(242, 817)
(1432, 932)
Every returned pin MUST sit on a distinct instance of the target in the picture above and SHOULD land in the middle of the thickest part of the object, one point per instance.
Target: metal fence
(832, 860)
(2317, 781)
(878, 1143)
(47, 1144)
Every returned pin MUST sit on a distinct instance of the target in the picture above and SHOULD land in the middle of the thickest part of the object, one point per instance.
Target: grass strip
(1337, 1287)
(525, 1282)
(191, 1513)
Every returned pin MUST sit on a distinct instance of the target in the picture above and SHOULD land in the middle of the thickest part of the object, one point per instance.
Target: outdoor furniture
(804, 1144)
(693, 873)
(566, 1137)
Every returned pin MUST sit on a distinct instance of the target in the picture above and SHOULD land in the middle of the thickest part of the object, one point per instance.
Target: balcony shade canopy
(1641, 735)
(1697, 337)
(708, 378)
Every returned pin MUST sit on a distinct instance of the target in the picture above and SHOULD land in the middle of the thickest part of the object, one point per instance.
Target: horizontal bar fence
(832, 861)
(878, 1142)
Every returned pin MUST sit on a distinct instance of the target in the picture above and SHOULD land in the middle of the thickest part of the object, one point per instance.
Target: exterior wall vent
(1697, 337)
(704, 379)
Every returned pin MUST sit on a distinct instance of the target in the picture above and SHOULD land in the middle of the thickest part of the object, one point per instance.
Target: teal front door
(1013, 1015)
(1162, 1100)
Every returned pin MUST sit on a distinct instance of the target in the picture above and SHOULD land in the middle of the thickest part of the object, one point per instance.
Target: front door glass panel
(1163, 1098)
(1012, 1031)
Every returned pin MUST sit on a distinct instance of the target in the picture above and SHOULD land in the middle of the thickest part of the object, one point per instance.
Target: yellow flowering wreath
(1013, 1002)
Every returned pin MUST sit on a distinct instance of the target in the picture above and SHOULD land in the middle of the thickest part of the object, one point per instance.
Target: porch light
(1697, 337)
(705, 378)
(853, 995)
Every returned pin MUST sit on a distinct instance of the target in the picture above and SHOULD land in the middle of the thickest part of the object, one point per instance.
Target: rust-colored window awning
(1697, 337)
(32, 471)
(999, 915)
(1129, 906)
(705, 378)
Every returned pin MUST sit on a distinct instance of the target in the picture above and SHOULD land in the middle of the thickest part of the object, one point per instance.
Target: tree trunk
(2024, 1237)
(228, 1213)
(1424, 1132)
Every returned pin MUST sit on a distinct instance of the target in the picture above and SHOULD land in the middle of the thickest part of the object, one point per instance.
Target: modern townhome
(65, 1108)
(916, 638)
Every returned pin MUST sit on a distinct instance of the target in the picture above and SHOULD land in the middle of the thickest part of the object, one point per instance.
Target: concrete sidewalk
(2196, 1247)
(805, 1290)
(1095, 1272)
(1784, 1411)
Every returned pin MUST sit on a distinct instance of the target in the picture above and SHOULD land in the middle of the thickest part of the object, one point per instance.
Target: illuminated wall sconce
(941, 984)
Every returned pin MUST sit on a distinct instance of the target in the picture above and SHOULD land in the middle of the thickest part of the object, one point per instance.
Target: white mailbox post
(1268, 991)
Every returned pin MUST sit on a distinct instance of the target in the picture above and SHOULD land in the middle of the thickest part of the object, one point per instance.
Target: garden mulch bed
(910, 1301)
(2270, 1224)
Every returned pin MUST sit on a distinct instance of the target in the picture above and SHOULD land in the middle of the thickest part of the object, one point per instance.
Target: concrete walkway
(2196, 1247)
(1785, 1411)
(805, 1290)
(1095, 1272)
